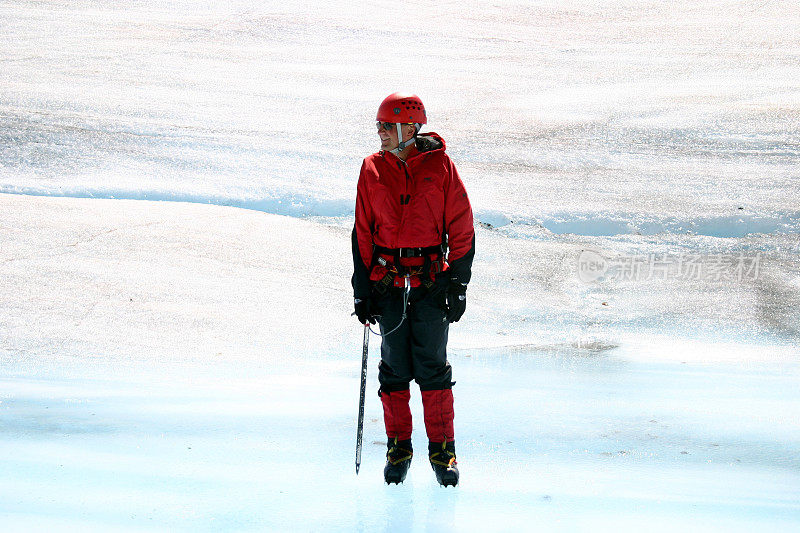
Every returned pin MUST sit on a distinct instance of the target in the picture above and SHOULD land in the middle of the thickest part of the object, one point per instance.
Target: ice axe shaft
(360, 433)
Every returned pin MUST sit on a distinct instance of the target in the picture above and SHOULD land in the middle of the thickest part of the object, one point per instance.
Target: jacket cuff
(461, 268)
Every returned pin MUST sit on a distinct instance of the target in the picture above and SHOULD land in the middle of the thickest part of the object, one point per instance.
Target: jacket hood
(429, 142)
(425, 144)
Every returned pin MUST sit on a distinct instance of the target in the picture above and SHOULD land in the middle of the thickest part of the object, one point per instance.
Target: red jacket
(411, 204)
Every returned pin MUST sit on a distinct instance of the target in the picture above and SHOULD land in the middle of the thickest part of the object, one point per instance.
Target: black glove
(364, 311)
(456, 301)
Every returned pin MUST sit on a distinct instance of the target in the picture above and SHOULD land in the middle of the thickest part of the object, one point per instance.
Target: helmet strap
(403, 144)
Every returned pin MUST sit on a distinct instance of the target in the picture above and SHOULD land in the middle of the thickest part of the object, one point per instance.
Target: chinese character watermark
(594, 266)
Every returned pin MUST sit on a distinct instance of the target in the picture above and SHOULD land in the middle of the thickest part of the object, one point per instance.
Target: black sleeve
(360, 280)
(461, 268)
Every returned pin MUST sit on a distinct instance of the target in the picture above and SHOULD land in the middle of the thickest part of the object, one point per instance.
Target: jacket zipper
(403, 205)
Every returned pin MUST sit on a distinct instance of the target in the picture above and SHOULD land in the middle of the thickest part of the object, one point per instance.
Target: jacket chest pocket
(430, 205)
(385, 209)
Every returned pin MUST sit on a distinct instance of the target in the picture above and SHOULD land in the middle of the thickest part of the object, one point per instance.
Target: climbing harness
(395, 269)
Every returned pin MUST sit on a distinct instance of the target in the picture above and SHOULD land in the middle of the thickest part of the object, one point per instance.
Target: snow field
(599, 108)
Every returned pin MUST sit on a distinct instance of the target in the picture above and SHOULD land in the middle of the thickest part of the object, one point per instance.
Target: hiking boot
(443, 462)
(398, 459)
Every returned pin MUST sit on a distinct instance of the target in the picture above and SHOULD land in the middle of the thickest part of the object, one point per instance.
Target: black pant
(418, 348)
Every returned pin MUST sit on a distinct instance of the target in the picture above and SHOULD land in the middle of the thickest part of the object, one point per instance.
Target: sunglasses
(388, 126)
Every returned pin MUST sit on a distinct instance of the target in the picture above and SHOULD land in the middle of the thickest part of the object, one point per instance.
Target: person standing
(413, 245)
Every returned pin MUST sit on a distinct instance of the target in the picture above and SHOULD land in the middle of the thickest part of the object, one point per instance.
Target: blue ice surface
(566, 438)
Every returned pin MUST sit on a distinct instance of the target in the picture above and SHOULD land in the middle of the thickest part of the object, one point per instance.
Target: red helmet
(402, 108)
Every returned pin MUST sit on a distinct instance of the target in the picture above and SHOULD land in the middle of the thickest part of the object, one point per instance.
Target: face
(388, 135)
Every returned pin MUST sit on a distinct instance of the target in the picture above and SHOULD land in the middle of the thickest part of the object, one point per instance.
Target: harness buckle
(409, 252)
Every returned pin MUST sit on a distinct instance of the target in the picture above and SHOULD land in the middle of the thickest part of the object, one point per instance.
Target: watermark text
(595, 266)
